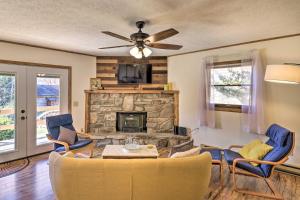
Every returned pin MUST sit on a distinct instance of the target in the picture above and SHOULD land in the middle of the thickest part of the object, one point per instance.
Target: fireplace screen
(132, 121)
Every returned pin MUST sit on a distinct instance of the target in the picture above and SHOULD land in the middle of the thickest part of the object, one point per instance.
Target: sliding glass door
(27, 96)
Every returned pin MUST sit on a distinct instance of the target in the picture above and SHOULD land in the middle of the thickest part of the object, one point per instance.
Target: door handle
(23, 118)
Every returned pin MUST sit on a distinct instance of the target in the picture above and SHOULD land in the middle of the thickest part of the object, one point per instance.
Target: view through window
(48, 104)
(230, 85)
(7, 112)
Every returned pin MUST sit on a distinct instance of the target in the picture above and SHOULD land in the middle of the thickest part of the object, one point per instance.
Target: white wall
(83, 68)
(283, 101)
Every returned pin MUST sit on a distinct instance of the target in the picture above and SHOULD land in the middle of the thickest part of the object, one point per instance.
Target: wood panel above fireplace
(107, 70)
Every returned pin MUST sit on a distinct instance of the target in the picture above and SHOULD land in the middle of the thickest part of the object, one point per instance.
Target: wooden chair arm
(235, 146)
(84, 135)
(235, 161)
(208, 147)
(66, 145)
(181, 145)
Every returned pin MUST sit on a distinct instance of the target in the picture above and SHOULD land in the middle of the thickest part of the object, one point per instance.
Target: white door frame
(20, 104)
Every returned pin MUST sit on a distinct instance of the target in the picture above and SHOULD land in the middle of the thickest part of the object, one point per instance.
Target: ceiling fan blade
(161, 35)
(130, 45)
(117, 36)
(164, 46)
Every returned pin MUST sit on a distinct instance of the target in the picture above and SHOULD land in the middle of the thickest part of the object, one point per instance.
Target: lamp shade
(283, 74)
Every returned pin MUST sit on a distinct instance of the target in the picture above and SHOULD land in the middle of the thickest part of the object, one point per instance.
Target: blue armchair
(283, 142)
(66, 121)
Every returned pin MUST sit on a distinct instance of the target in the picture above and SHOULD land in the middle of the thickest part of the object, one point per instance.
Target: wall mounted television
(134, 73)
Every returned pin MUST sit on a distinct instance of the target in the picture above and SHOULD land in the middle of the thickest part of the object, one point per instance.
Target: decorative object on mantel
(285, 73)
(140, 40)
(168, 86)
(95, 84)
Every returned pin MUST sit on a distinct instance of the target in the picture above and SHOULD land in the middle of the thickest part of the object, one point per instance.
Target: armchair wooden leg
(221, 175)
(276, 194)
(91, 147)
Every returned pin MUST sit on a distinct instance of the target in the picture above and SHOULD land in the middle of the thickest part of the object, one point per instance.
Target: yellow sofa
(130, 179)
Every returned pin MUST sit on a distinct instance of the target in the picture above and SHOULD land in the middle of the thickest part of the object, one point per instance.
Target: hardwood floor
(33, 183)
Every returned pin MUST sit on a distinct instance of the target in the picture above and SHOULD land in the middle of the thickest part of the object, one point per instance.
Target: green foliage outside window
(9, 133)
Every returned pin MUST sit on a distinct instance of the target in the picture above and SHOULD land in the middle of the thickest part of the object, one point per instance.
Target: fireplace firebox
(132, 121)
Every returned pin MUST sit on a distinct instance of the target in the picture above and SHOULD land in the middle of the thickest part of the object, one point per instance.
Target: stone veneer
(104, 106)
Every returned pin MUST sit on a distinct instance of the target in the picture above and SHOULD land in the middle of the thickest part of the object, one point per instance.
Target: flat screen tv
(134, 73)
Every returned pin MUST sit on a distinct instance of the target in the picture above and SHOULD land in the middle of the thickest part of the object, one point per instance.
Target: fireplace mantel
(124, 91)
(101, 107)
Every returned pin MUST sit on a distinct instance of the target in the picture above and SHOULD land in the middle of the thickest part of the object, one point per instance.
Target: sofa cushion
(78, 144)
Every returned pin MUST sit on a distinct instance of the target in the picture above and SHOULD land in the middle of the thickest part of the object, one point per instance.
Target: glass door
(47, 96)
(12, 112)
(27, 96)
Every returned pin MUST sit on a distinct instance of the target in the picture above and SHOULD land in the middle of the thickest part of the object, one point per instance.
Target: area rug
(12, 167)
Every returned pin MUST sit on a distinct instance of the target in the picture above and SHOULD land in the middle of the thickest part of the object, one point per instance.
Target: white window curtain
(207, 109)
(253, 119)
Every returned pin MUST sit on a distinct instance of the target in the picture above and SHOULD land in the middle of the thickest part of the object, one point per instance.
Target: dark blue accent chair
(282, 140)
(53, 126)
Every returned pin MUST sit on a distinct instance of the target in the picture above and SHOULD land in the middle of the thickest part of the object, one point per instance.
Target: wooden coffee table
(119, 152)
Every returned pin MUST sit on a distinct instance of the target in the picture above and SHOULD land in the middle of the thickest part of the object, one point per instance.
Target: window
(230, 86)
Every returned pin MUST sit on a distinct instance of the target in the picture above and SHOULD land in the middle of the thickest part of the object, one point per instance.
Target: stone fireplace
(147, 115)
(160, 108)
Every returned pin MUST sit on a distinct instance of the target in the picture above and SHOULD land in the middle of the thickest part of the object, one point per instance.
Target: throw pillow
(259, 152)
(66, 135)
(247, 148)
(191, 152)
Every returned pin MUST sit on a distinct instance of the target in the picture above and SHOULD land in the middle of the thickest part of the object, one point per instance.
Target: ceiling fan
(140, 41)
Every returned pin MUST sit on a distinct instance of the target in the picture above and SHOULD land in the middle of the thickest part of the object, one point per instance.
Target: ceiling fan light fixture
(134, 51)
(138, 53)
(147, 52)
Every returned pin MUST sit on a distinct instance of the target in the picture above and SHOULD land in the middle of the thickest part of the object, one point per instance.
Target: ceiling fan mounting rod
(140, 25)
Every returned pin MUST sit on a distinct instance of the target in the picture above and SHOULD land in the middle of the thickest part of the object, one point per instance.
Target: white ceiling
(76, 25)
